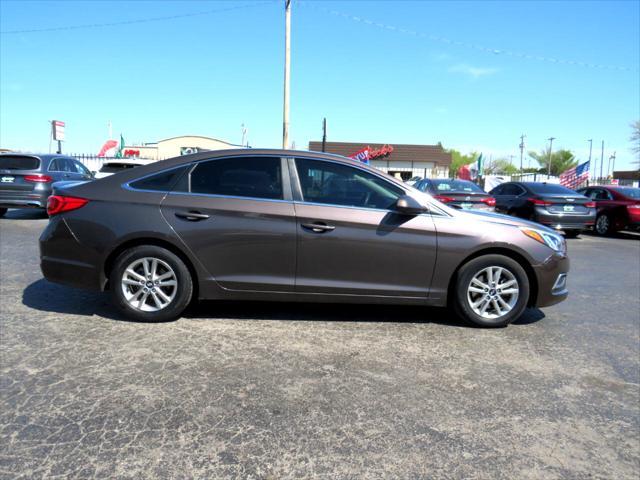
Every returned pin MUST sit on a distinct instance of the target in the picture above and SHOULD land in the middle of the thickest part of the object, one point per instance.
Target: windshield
(630, 192)
(455, 186)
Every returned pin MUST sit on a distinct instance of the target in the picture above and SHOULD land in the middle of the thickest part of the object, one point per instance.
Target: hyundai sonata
(292, 226)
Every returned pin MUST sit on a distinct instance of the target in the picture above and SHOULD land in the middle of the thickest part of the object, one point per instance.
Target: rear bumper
(9, 199)
(565, 221)
(551, 277)
(57, 245)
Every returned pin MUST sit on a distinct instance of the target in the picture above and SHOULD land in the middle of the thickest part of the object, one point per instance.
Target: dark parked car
(26, 179)
(547, 203)
(292, 226)
(457, 193)
(618, 208)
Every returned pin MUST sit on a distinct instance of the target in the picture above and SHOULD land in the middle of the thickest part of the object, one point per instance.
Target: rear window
(116, 167)
(455, 186)
(18, 162)
(161, 182)
(629, 192)
(548, 188)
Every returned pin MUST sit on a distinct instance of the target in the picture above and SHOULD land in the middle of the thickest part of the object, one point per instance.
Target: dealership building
(400, 160)
(175, 146)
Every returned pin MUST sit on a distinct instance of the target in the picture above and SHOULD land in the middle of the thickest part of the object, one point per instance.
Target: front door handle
(318, 227)
(192, 216)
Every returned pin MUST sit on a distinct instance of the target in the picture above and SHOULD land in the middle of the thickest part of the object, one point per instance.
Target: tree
(458, 160)
(561, 160)
(635, 139)
(500, 165)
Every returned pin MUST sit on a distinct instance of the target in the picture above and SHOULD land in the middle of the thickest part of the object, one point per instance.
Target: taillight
(634, 208)
(590, 204)
(443, 199)
(39, 178)
(537, 201)
(59, 204)
(489, 201)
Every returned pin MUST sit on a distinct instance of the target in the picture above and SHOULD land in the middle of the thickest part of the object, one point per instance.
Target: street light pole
(324, 134)
(601, 159)
(287, 65)
(522, 137)
(551, 139)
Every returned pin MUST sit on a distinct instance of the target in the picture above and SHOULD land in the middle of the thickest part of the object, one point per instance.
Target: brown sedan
(292, 226)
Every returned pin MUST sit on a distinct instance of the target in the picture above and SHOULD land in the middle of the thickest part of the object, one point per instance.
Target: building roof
(401, 152)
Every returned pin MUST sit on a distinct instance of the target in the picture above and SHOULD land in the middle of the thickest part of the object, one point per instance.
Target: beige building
(176, 146)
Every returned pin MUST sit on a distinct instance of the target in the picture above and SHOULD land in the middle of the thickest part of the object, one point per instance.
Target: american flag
(574, 177)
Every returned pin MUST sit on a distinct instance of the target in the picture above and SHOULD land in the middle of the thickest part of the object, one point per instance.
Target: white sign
(57, 129)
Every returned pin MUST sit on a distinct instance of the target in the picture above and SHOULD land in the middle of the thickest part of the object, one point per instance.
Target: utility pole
(287, 67)
(551, 139)
(522, 137)
(601, 159)
(324, 134)
(590, 149)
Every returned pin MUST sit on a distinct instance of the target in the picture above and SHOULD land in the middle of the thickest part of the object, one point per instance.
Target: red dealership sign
(367, 153)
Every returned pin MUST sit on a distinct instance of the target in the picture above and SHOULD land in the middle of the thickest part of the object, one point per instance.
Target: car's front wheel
(150, 284)
(491, 291)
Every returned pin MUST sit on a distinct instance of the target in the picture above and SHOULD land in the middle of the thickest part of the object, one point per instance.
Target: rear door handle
(318, 227)
(192, 216)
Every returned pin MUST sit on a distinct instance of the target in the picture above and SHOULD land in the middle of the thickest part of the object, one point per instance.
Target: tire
(603, 225)
(478, 268)
(163, 297)
(2, 212)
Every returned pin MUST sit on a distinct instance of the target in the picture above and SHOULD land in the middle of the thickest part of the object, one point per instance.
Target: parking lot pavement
(288, 390)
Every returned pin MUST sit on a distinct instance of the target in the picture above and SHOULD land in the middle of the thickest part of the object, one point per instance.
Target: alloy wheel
(602, 224)
(149, 284)
(493, 292)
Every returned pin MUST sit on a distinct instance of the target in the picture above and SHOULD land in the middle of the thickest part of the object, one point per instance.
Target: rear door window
(251, 177)
(19, 162)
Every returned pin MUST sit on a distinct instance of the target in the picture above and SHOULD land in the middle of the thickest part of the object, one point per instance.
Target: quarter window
(334, 184)
(161, 182)
(256, 177)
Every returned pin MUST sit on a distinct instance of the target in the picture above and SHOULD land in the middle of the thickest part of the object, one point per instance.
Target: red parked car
(618, 208)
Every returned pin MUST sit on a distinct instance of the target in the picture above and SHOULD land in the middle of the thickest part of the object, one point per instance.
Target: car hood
(500, 219)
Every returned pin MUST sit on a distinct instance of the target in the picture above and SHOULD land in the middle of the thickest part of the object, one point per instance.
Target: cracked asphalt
(259, 390)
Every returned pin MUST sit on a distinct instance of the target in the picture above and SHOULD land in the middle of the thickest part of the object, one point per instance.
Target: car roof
(131, 161)
(178, 161)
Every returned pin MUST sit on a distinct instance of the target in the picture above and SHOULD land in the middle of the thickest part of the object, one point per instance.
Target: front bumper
(551, 277)
(565, 221)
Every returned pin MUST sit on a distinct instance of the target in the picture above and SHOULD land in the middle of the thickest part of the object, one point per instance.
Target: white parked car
(115, 165)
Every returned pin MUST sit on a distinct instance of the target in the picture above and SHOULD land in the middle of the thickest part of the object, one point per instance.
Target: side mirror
(407, 205)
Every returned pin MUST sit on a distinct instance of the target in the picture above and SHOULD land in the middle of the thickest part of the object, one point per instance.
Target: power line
(134, 21)
(482, 48)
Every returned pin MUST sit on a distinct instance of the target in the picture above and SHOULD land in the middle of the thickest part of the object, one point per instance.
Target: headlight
(551, 240)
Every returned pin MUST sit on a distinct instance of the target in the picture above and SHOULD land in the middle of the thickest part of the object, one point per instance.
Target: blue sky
(472, 75)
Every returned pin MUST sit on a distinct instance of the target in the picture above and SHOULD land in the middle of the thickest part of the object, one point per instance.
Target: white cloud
(474, 72)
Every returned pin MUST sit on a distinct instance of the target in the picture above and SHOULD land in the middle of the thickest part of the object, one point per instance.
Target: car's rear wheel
(150, 284)
(2, 212)
(491, 291)
(603, 224)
